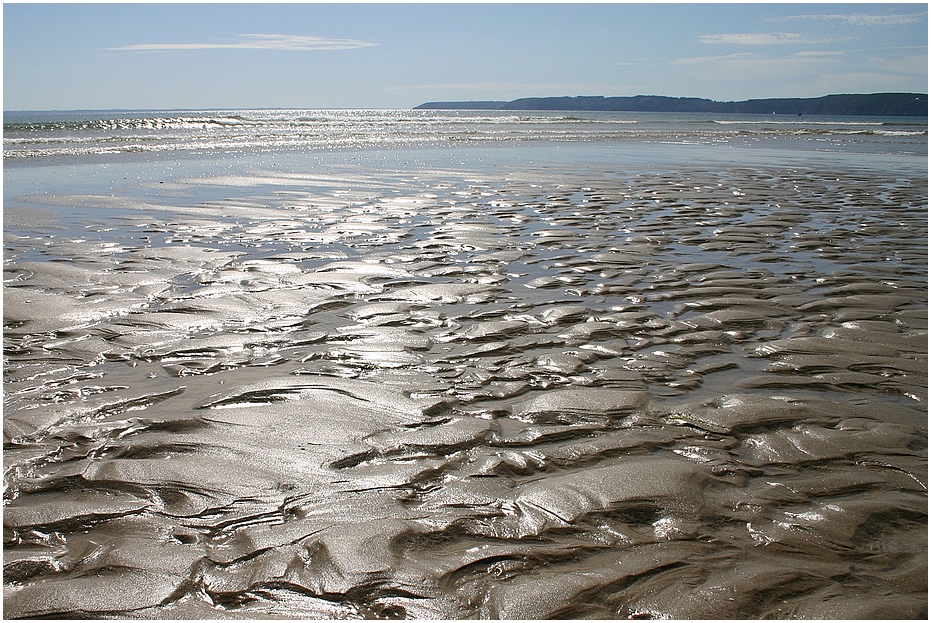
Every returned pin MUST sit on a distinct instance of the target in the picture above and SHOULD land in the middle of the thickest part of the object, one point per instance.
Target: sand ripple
(583, 394)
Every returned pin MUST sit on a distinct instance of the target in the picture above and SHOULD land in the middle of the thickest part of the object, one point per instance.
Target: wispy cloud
(862, 19)
(915, 65)
(746, 64)
(821, 54)
(694, 60)
(809, 71)
(762, 38)
(257, 42)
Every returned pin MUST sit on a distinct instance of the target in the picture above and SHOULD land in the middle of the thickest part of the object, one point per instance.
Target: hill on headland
(874, 104)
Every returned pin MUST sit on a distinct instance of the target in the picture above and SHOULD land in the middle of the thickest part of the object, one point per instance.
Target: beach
(580, 369)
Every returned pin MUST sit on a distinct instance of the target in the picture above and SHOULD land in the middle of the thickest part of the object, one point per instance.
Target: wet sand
(692, 391)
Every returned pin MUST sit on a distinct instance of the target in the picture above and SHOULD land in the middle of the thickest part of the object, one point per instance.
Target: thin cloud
(746, 64)
(257, 42)
(821, 53)
(711, 59)
(916, 65)
(759, 67)
(761, 38)
(862, 19)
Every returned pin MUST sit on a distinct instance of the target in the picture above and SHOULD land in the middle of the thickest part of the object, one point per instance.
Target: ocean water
(29, 134)
(464, 364)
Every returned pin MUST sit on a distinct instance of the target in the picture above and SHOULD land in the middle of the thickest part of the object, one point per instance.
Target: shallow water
(487, 384)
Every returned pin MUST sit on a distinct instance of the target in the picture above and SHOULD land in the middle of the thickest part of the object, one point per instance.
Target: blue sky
(348, 55)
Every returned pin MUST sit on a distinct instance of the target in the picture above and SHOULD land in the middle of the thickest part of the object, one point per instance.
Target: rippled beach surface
(507, 386)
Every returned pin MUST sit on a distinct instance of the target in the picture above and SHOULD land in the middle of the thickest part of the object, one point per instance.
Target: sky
(75, 56)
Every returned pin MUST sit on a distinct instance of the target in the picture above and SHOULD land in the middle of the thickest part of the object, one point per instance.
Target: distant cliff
(876, 104)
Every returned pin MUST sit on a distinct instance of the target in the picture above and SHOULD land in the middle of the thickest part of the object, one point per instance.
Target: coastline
(873, 104)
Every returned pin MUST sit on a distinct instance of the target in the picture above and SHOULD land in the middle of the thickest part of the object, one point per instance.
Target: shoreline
(166, 135)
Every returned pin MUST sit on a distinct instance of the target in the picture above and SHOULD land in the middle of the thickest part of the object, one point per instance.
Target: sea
(459, 364)
(89, 133)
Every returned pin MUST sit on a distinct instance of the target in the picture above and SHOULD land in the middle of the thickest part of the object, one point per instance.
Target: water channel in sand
(639, 381)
